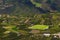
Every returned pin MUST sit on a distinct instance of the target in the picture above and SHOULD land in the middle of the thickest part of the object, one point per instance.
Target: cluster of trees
(22, 22)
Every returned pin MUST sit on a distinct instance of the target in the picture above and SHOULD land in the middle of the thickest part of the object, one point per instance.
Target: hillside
(29, 6)
(29, 19)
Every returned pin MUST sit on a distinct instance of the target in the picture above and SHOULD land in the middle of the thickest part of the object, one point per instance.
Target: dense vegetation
(17, 15)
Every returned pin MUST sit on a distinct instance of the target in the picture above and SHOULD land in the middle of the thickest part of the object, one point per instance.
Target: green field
(39, 27)
(36, 4)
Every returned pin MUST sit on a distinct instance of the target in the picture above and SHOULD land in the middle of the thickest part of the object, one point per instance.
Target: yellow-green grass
(39, 27)
(10, 28)
(36, 4)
